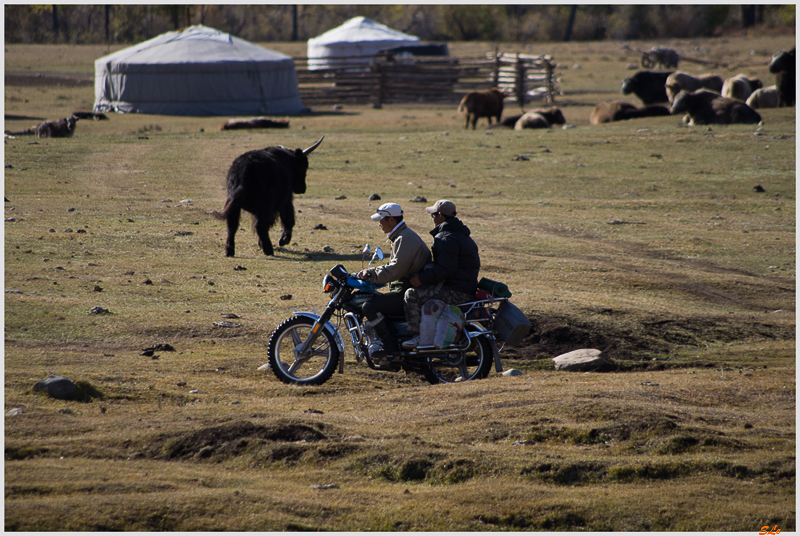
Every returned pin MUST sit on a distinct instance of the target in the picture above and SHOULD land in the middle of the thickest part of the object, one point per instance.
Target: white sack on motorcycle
(440, 324)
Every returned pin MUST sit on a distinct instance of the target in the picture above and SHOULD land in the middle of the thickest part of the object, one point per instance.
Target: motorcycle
(307, 348)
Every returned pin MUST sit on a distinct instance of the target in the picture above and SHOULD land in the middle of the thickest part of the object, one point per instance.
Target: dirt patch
(643, 340)
(234, 438)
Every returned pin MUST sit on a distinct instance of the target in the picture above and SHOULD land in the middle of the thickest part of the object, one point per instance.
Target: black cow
(784, 67)
(262, 183)
(647, 85)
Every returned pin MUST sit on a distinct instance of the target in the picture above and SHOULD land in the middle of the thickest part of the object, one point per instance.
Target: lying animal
(256, 122)
(95, 116)
(552, 115)
(263, 182)
(649, 86)
(680, 81)
(606, 112)
(531, 120)
(766, 97)
(541, 118)
(705, 107)
(477, 104)
(740, 87)
(56, 128)
(784, 67)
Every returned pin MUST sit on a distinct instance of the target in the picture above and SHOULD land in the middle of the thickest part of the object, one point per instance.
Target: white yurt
(197, 71)
(359, 36)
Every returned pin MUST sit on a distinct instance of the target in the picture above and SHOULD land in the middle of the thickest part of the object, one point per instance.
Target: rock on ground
(583, 359)
(56, 386)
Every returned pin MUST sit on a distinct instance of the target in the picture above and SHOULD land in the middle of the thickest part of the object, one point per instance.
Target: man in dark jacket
(452, 276)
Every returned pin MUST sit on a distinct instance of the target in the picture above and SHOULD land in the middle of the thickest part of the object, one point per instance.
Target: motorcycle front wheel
(477, 364)
(314, 368)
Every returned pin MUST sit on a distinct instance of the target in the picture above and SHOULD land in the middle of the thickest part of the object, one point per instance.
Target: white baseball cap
(387, 210)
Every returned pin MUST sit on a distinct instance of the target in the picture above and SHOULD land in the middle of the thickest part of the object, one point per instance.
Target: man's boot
(384, 343)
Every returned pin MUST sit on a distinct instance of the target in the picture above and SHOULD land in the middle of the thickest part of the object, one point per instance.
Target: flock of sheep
(704, 99)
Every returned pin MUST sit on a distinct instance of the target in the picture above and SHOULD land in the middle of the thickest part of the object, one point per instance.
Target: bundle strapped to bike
(511, 324)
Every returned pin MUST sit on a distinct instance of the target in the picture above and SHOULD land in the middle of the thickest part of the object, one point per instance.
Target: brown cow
(487, 103)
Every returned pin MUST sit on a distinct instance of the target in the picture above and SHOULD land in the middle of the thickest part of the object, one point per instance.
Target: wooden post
(550, 82)
(519, 88)
(496, 74)
(377, 70)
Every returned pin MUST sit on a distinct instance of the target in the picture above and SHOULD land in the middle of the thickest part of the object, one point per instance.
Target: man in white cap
(409, 255)
(452, 276)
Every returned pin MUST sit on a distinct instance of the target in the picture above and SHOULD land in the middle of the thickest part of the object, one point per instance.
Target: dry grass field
(646, 239)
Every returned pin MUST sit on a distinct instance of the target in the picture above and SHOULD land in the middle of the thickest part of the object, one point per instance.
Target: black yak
(487, 103)
(784, 67)
(649, 86)
(263, 182)
(705, 107)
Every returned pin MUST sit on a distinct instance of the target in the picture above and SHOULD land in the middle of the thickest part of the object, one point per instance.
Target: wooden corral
(429, 79)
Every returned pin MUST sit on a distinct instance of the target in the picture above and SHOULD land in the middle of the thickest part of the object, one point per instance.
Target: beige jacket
(409, 256)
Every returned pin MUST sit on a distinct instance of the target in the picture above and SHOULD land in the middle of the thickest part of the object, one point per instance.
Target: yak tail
(232, 203)
(225, 210)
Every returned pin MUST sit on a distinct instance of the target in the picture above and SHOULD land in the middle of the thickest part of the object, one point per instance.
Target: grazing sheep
(647, 85)
(740, 87)
(487, 103)
(766, 97)
(704, 107)
(606, 111)
(784, 67)
(680, 81)
(531, 120)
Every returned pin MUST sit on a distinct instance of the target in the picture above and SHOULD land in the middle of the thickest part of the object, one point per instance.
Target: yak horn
(311, 149)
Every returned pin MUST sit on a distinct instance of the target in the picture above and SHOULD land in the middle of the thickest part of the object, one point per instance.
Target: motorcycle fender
(480, 332)
(330, 328)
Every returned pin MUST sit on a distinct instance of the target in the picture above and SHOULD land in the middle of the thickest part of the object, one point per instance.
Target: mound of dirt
(636, 341)
(231, 439)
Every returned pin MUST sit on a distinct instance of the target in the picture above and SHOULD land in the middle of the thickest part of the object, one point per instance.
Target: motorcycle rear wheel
(314, 370)
(476, 365)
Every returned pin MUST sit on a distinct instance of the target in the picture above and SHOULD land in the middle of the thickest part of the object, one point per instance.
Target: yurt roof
(195, 44)
(359, 30)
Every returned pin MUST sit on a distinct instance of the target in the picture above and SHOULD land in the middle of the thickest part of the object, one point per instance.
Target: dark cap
(443, 206)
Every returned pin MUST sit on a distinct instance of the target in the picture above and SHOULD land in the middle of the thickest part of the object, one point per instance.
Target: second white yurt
(356, 42)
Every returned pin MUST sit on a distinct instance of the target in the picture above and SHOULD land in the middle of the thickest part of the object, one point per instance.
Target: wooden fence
(428, 79)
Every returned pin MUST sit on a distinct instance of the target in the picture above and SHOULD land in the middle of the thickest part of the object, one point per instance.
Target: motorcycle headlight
(328, 284)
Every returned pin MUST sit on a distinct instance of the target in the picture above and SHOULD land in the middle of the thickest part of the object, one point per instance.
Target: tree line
(128, 24)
